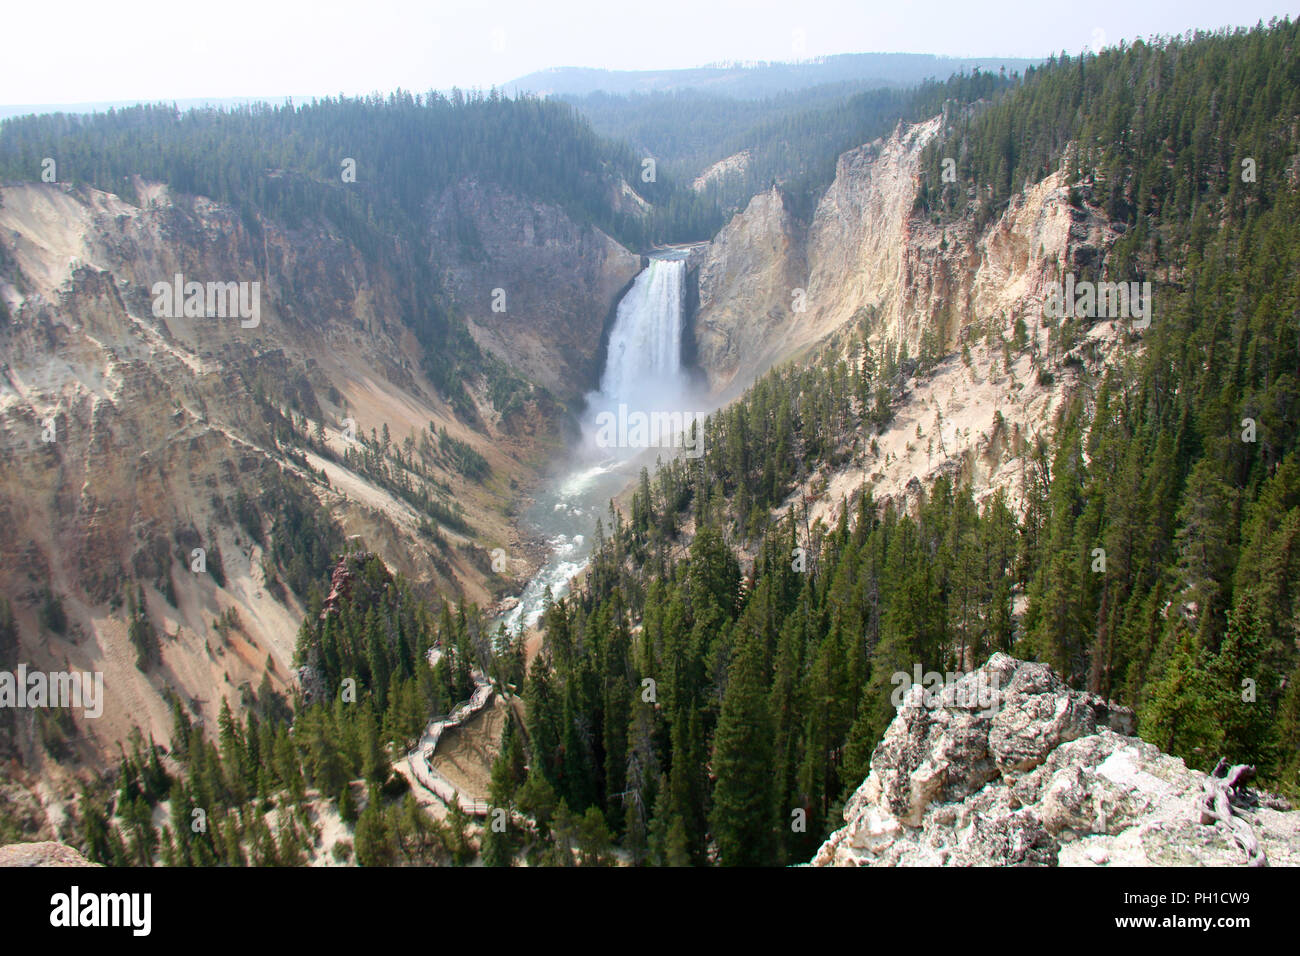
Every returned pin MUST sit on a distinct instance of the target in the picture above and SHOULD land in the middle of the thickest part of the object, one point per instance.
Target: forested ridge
(793, 140)
(285, 161)
(1159, 129)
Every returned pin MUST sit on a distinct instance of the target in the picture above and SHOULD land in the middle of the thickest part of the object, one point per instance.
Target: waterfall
(644, 362)
(643, 374)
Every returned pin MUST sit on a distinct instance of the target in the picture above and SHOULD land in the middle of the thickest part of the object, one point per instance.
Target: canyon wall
(557, 278)
(866, 247)
(771, 288)
(129, 440)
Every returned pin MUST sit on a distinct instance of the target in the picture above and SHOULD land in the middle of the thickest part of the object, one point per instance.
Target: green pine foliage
(285, 160)
(1188, 618)
(251, 794)
(794, 139)
(1150, 130)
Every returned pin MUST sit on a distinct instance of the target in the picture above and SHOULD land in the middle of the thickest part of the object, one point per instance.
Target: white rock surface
(1054, 777)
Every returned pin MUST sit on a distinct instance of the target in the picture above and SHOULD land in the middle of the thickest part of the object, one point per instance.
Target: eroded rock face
(773, 287)
(1046, 776)
(867, 251)
(559, 278)
(747, 280)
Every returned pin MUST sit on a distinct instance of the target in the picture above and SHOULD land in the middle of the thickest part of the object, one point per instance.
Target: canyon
(165, 425)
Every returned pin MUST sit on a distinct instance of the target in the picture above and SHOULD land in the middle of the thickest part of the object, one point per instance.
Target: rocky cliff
(41, 854)
(867, 248)
(557, 278)
(747, 278)
(772, 287)
(1007, 766)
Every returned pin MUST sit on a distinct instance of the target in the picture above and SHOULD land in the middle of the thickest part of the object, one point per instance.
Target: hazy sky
(89, 50)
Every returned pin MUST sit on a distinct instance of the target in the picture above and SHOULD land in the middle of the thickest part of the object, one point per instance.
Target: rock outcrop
(748, 275)
(734, 165)
(967, 295)
(1010, 767)
(771, 285)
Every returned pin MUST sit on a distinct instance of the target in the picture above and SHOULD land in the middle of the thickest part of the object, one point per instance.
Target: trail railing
(421, 757)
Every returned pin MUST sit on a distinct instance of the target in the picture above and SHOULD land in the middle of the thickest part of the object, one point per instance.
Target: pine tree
(595, 845)
(1241, 689)
(1179, 716)
(347, 805)
(374, 838)
(742, 817)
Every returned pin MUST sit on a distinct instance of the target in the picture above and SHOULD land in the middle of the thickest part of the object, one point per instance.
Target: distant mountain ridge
(742, 81)
(764, 79)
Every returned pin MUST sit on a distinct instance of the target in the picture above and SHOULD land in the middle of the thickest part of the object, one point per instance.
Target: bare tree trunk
(1226, 791)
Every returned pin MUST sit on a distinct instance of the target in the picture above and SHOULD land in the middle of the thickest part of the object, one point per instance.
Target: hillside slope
(773, 288)
(933, 468)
